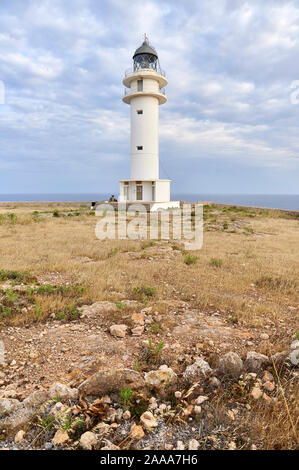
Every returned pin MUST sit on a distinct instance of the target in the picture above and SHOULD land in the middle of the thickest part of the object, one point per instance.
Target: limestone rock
(193, 444)
(138, 318)
(36, 398)
(19, 437)
(106, 381)
(118, 330)
(256, 392)
(137, 331)
(148, 420)
(230, 364)
(8, 405)
(61, 437)
(294, 357)
(88, 440)
(160, 378)
(63, 392)
(198, 370)
(136, 432)
(295, 344)
(255, 361)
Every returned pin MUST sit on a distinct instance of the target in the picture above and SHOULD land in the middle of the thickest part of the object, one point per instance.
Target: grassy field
(247, 270)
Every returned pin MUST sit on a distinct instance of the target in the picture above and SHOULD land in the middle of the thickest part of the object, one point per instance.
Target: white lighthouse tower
(144, 93)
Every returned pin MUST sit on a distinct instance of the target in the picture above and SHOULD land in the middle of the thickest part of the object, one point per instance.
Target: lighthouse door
(139, 192)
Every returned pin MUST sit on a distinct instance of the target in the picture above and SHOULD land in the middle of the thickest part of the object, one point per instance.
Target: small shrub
(56, 213)
(217, 262)
(126, 396)
(190, 259)
(144, 292)
(225, 225)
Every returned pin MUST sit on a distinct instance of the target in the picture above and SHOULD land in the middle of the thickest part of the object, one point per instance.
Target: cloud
(230, 65)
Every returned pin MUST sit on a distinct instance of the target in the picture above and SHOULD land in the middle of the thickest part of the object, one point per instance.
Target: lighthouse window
(139, 85)
(139, 111)
(139, 147)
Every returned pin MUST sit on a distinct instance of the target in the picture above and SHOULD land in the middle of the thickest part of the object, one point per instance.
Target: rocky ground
(132, 386)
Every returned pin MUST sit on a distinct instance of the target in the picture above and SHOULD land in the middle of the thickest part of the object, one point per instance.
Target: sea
(271, 201)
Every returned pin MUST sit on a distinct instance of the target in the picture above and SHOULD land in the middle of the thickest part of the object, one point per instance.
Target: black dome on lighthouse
(145, 48)
(145, 57)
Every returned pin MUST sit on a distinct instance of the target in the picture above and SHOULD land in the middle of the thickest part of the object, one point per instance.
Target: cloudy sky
(229, 125)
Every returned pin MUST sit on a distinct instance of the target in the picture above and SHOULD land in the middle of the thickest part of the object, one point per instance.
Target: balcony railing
(128, 91)
(131, 71)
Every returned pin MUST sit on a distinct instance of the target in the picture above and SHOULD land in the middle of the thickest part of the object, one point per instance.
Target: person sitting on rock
(113, 199)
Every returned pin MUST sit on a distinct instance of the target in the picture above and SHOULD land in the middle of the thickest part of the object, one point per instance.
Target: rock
(255, 361)
(127, 415)
(214, 382)
(118, 330)
(295, 344)
(280, 357)
(19, 437)
(201, 399)
(63, 392)
(267, 376)
(136, 432)
(180, 445)
(232, 446)
(160, 378)
(198, 370)
(137, 331)
(193, 444)
(109, 446)
(8, 405)
(148, 420)
(269, 386)
(197, 409)
(36, 398)
(230, 364)
(256, 392)
(138, 318)
(264, 336)
(61, 437)
(178, 394)
(106, 381)
(294, 357)
(88, 440)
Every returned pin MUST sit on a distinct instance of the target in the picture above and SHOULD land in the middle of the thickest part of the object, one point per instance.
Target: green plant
(120, 305)
(155, 328)
(113, 252)
(126, 396)
(225, 225)
(46, 423)
(144, 291)
(10, 295)
(56, 213)
(297, 335)
(217, 262)
(190, 259)
(154, 351)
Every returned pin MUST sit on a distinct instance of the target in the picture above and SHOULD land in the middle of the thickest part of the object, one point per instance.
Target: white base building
(144, 93)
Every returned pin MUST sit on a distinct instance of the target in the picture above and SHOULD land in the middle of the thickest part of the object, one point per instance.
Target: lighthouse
(144, 92)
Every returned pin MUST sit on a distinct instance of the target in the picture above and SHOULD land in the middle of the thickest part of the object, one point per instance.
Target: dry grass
(256, 283)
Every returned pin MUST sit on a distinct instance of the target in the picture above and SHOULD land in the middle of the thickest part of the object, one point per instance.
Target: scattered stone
(136, 432)
(19, 437)
(201, 399)
(256, 392)
(180, 445)
(230, 364)
(295, 344)
(127, 415)
(232, 446)
(148, 420)
(198, 370)
(88, 440)
(255, 361)
(193, 444)
(267, 376)
(264, 336)
(294, 357)
(61, 437)
(269, 386)
(160, 378)
(63, 392)
(58, 410)
(138, 318)
(178, 394)
(118, 330)
(107, 381)
(137, 331)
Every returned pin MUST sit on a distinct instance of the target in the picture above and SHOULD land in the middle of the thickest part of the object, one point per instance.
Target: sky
(230, 124)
